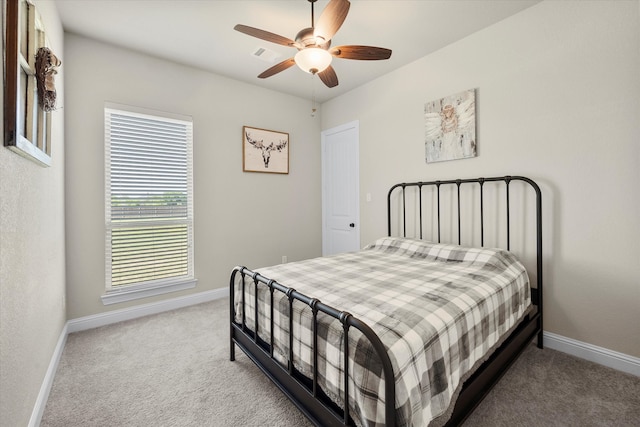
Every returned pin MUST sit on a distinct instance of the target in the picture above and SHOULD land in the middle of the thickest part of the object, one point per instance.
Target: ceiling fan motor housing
(306, 38)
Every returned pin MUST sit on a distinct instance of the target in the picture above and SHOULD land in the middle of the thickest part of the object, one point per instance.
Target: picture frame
(265, 150)
(450, 127)
(29, 88)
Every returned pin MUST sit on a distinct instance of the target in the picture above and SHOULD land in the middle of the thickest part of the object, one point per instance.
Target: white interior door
(340, 189)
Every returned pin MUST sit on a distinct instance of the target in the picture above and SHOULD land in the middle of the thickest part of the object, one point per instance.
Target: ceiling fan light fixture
(313, 59)
(313, 44)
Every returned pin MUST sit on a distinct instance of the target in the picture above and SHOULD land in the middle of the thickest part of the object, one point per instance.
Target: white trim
(593, 353)
(600, 355)
(89, 322)
(125, 143)
(148, 112)
(132, 293)
(47, 382)
(115, 316)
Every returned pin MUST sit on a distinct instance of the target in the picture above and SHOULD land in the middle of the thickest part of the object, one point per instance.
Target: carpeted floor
(173, 369)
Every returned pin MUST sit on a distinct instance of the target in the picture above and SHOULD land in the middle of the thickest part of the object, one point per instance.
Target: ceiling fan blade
(367, 53)
(329, 77)
(277, 68)
(264, 35)
(331, 19)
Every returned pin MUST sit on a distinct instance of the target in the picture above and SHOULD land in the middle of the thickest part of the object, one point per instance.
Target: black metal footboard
(305, 393)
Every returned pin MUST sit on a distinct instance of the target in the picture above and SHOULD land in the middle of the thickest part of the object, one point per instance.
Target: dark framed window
(30, 66)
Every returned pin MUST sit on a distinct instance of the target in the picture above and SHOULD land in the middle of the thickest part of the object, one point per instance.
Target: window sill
(124, 295)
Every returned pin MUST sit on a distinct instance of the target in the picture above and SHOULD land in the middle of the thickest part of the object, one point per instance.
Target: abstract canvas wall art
(450, 127)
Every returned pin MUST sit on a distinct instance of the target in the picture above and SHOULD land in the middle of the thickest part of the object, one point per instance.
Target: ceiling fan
(314, 44)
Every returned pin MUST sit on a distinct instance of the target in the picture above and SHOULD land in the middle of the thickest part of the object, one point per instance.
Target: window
(27, 124)
(149, 203)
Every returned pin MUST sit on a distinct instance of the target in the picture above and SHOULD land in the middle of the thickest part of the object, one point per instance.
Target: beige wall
(32, 258)
(283, 211)
(557, 100)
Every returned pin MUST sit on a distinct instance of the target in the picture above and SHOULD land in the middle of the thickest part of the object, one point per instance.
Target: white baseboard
(600, 355)
(103, 319)
(45, 388)
(593, 353)
(115, 316)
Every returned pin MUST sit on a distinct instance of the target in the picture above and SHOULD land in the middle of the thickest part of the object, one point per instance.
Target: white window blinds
(149, 200)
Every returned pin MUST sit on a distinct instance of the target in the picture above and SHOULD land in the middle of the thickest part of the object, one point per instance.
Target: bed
(442, 319)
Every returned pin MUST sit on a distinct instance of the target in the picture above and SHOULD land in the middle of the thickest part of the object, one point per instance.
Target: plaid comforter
(440, 310)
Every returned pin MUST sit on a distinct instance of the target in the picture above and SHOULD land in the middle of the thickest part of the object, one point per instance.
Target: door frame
(323, 136)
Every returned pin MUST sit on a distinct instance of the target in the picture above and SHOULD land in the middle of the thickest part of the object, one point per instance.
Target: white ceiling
(200, 33)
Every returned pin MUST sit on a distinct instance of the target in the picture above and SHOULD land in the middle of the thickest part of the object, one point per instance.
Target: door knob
(352, 225)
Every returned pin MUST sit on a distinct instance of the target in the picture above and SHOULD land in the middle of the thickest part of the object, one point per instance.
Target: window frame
(27, 127)
(122, 293)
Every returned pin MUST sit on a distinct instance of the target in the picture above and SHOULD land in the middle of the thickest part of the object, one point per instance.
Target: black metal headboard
(458, 183)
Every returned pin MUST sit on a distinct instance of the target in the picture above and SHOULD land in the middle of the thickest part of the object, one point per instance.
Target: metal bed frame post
(438, 183)
(314, 310)
(507, 181)
(459, 219)
(481, 182)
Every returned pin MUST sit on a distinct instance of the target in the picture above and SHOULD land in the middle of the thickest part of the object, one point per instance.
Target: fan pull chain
(313, 96)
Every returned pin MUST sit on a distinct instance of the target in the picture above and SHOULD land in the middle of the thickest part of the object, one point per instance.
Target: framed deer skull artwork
(264, 150)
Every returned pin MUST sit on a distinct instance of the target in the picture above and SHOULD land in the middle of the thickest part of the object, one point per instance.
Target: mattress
(440, 311)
